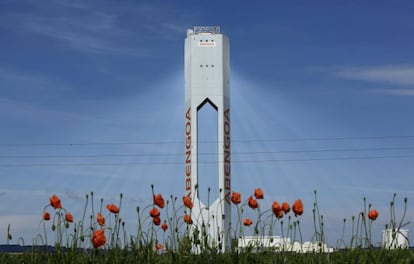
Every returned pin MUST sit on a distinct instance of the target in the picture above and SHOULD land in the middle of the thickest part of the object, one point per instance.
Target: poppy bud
(247, 222)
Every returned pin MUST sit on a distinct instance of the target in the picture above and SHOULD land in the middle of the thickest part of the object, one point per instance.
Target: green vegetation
(150, 256)
(166, 234)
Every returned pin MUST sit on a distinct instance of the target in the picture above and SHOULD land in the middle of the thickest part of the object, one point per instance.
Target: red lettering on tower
(227, 169)
(188, 152)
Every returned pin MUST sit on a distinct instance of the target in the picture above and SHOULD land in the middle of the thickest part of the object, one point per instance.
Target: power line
(327, 138)
(205, 162)
(201, 154)
(182, 141)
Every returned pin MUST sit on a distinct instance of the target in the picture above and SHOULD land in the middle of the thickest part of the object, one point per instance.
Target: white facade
(280, 244)
(397, 238)
(207, 72)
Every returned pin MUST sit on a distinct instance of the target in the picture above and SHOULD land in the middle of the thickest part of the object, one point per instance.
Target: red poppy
(154, 212)
(253, 203)
(297, 207)
(159, 201)
(158, 247)
(98, 238)
(112, 208)
(46, 216)
(156, 220)
(164, 227)
(69, 217)
(277, 209)
(100, 219)
(258, 193)
(285, 207)
(187, 202)
(247, 221)
(373, 214)
(55, 202)
(187, 219)
(236, 197)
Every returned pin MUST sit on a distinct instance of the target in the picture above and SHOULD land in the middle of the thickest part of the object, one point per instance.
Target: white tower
(207, 72)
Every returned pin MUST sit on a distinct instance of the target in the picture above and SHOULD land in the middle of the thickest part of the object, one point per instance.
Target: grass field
(166, 234)
(151, 256)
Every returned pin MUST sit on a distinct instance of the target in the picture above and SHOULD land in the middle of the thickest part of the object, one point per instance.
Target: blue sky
(322, 98)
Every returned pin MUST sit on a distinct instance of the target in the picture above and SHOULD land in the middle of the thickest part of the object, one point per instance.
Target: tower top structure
(204, 29)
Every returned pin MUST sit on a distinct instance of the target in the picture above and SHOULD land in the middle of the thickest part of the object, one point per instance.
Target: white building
(395, 238)
(279, 244)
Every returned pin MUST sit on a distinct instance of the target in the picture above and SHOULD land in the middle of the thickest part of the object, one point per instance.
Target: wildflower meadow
(165, 233)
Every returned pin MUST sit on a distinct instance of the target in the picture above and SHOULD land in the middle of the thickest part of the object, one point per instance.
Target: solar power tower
(207, 82)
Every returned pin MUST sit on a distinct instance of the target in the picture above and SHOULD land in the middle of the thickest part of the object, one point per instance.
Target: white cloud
(14, 81)
(99, 28)
(402, 92)
(95, 33)
(394, 74)
(400, 76)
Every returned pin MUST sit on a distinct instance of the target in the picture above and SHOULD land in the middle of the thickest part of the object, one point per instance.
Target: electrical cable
(182, 142)
(200, 154)
(205, 162)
